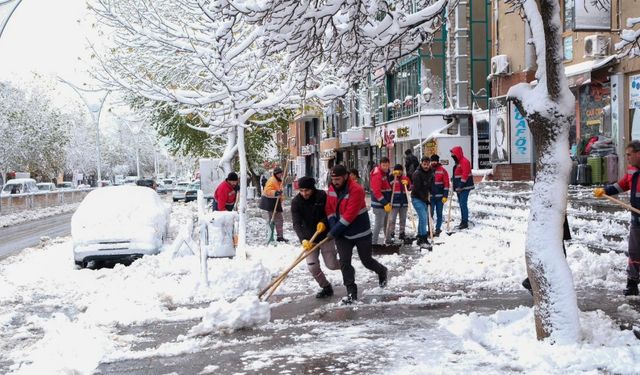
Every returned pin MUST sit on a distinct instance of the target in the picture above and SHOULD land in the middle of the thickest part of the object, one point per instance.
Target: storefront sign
(520, 137)
(591, 15)
(634, 91)
(593, 98)
(403, 132)
(482, 158)
(385, 136)
(307, 150)
(328, 154)
(499, 130)
(353, 135)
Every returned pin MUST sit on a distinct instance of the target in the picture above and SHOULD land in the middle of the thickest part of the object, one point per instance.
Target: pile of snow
(246, 311)
(35, 214)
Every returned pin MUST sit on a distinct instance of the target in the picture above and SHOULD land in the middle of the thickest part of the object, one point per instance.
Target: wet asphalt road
(28, 234)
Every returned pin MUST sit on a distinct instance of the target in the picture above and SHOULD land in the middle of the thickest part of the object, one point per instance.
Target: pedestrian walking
(411, 162)
(629, 182)
(271, 201)
(348, 219)
(224, 198)
(423, 179)
(399, 204)
(380, 197)
(439, 191)
(289, 184)
(307, 210)
(462, 183)
(355, 175)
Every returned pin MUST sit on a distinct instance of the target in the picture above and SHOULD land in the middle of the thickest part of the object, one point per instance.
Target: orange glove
(405, 182)
(397, 173)
(387, 207)
(321, 227)
(444, 200)
(306, 245)
(598, 192)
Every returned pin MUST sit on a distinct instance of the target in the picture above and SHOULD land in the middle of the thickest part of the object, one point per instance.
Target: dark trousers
(633, 268)
(345, 251)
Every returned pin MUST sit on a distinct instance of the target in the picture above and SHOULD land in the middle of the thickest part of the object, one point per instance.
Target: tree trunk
(550, 112)
(229, 152)
(242, 208)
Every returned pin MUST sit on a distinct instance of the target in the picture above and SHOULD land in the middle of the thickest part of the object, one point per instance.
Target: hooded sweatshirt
(462, 178)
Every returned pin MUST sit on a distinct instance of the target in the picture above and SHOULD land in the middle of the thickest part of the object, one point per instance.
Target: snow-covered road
(457, 309)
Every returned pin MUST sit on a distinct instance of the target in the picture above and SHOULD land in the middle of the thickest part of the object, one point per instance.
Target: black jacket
(307, 213)
(411, 164)
(422, 184)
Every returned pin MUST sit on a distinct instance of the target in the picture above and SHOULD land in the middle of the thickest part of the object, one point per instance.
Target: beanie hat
(435, 158)
(397, 167)
(339, 170)
(233, 176)
(277, 170)
(408, 151)
(306, 182)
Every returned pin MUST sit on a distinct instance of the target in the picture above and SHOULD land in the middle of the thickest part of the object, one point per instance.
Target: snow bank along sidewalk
(54, 318)
(31, 215)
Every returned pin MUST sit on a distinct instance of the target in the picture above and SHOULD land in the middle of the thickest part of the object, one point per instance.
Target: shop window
(594, 115)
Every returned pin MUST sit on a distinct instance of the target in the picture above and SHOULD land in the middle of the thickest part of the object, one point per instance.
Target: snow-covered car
(119, 223)
(46, 186)
(19, 186)
(178, 194)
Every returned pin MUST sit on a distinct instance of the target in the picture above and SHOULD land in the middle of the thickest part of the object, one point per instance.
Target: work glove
(444, 200)
(321, 227)
(387, 207)
(397, 173)
(307, 245)
(277, 193)
(405, 182)
(598, 192)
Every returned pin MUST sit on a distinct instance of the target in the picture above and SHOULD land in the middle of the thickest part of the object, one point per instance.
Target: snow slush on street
(458, 308)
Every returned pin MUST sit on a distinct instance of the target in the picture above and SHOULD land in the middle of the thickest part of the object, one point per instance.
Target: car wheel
(80, 264)
(175, 200)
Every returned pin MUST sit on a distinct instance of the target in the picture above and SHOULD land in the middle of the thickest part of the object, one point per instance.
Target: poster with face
(499, 131)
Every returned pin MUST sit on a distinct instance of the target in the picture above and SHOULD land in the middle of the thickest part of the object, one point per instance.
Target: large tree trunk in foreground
(550, 109)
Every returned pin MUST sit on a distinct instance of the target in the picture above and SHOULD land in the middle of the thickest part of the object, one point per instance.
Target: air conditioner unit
(500, 65)
(596, 46)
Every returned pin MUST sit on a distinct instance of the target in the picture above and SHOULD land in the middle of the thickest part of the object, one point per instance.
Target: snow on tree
(629, 44)
(549, 107)
(179, 53)
(34, 132)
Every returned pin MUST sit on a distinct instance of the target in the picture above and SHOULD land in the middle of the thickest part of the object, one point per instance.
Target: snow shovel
(387, 248)
(278, 280)
(412, 219)
(449, 232)
(621, 203)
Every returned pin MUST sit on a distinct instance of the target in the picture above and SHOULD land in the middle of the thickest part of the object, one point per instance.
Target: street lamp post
(7, 7)
(424, 97)
(94, 104)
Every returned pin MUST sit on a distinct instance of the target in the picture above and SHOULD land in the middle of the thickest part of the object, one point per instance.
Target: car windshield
(183, 186)
(44, 187)
(167, 182)
(11, 187)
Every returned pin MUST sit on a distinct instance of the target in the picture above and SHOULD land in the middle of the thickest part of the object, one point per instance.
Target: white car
(19, 186)
(180, 191)
(46, 186)
(119, 223)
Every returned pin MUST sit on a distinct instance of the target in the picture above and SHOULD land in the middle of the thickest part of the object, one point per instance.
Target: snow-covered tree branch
(629, 45)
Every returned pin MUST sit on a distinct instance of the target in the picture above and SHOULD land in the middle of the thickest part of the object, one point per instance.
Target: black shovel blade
(386, 249)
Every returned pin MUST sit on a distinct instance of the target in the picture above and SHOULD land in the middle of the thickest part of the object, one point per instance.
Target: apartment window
(568, 48)
(568, 22)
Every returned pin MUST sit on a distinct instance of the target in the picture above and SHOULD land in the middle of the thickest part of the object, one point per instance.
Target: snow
(31, 215)
(55, 318)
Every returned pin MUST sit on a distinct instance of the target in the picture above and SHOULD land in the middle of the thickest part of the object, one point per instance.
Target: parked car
(19, 186)
(150, 183)
(192, 192)
(66, 185)
(119, 223)
(46, 186)
(169, 183)
(161, 188)
(180, 191)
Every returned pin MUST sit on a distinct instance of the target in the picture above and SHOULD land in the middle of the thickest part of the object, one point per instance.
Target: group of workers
(343, 210)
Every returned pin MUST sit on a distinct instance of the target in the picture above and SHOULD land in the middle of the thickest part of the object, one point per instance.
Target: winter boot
(352, 295)
(282, 239)
(437, 233)
(402, 236)
(463, 225)
(382, 277)
(527, 285)
(632, 288)
(421, 240)
(325, 292)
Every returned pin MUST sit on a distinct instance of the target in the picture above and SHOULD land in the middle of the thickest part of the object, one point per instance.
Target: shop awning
(580, 74)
